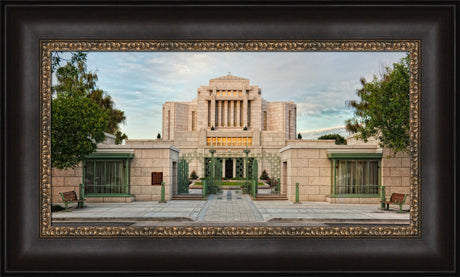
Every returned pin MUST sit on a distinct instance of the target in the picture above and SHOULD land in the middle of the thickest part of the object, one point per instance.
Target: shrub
(264, 175)
(338, 138)
(158, 136)
(299, 136)
(193, 175)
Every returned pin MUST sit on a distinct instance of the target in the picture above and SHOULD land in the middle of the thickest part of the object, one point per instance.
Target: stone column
(213, 107)
(219, 116)
(224, 160)
(232, 112)
(225, 108)
(245, 109)
(234, 167)
(238, 113)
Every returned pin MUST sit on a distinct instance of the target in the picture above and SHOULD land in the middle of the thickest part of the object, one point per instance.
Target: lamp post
(246, 165)
(211, 184)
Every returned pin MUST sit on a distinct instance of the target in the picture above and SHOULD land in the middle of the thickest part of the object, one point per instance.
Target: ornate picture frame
(413, 230)
(30, 244)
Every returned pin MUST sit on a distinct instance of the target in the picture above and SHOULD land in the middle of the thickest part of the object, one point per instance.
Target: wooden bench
(396, 199)
(70, 197)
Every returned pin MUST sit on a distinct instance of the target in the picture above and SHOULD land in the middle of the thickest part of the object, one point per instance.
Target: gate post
(382, 197)
(204, 188)
(297, 194)
(162, 193)
(82, 196)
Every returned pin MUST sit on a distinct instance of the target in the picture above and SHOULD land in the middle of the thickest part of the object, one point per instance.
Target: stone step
(187, 197)
(270, 197)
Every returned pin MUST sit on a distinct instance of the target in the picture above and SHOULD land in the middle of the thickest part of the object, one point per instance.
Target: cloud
(319, 82)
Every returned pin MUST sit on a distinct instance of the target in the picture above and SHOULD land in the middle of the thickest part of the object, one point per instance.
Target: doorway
(229, 168)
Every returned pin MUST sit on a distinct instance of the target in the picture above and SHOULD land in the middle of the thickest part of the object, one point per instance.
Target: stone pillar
(234, 167)
(224, 160)
(225, 110)
(245, 109)
(219, 116)
(238, 114)
(213, 107)
(232, 112)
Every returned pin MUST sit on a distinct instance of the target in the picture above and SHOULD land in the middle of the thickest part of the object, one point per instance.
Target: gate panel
(255, 177)
(213, 171)
(182, 177)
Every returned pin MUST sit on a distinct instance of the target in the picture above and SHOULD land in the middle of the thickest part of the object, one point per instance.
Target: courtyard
(230, 208)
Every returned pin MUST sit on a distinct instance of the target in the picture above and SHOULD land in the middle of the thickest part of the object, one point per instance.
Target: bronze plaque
(157, 178)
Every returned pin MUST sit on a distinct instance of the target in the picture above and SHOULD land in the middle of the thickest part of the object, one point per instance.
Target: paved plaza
(231, 207)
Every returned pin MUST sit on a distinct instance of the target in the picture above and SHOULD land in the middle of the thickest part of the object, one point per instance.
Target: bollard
(162, 193)
(82, 196)
(382, 197)
(297, 194)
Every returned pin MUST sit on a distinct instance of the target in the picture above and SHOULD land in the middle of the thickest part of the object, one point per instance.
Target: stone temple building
(230, 117)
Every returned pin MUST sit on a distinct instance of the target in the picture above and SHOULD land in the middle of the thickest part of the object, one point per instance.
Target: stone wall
(309, 167)
(395, 168)
(182, 116)
(395, 173)
(146, 161)
(272, 139)
(149, 156)
(276, 120)
(65, 180)
(306, 163)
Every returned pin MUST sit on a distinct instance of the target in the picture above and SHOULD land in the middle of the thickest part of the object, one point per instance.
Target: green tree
(338, 138)
(74, 79)
(383, 111)
(78, 124)
(264, 175)
(299, 136)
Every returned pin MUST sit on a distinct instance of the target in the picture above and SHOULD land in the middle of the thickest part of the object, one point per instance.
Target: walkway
(231, 208)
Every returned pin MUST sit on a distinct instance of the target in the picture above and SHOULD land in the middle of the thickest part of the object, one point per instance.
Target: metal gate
(254, 178)
(213, 175)
(182, 177)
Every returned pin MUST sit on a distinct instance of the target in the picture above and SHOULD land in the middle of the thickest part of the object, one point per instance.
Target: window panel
(106, 177)
(356, 177)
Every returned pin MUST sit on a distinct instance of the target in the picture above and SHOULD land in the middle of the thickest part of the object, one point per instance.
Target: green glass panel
(106, 177)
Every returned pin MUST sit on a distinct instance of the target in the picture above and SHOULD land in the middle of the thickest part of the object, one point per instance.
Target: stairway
(270, 197)
(187, 197)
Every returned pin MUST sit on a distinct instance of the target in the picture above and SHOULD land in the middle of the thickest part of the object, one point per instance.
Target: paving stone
(230, 207)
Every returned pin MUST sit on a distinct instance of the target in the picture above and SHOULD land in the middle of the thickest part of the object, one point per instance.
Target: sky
(319, 83)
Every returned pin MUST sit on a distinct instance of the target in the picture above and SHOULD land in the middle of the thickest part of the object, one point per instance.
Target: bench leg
(66, 207)
(400, 208)
(388, 206)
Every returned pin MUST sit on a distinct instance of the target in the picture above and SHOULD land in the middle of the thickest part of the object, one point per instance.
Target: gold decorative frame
(49, 231)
